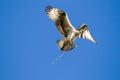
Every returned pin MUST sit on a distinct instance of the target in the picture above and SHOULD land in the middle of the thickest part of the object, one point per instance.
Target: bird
(64, 26)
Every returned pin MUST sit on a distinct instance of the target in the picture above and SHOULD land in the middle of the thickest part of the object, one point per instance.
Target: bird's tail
(65, 44)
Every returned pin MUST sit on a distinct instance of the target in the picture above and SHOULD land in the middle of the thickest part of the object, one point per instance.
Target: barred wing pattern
(64, 26)
(85, 34)
(60, 19)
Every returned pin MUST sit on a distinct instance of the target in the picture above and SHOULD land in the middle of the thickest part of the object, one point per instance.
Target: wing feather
(60, 19)
(85, 34)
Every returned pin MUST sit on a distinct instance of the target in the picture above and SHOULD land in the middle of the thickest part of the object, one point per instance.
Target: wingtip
(96, 43)
(48, 7)
(92, 39)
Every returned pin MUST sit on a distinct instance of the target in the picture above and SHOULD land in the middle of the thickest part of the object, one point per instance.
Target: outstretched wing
(85, 34)
(60, 19)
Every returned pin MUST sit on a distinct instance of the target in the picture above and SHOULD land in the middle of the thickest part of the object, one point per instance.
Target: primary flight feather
(64, 26)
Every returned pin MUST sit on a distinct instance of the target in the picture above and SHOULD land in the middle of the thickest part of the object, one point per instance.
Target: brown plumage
(64, 26)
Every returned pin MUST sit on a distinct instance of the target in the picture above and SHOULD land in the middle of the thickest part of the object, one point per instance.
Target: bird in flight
(64, 26)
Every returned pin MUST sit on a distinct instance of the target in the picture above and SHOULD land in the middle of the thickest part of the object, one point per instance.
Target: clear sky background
(28, 41)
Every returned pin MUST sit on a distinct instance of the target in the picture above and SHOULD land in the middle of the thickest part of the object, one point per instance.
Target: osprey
(64, 26)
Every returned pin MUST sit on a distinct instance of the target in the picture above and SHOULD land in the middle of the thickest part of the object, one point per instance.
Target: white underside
(72, 35)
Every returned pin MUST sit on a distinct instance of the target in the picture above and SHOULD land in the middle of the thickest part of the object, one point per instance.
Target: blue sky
(28, 41)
